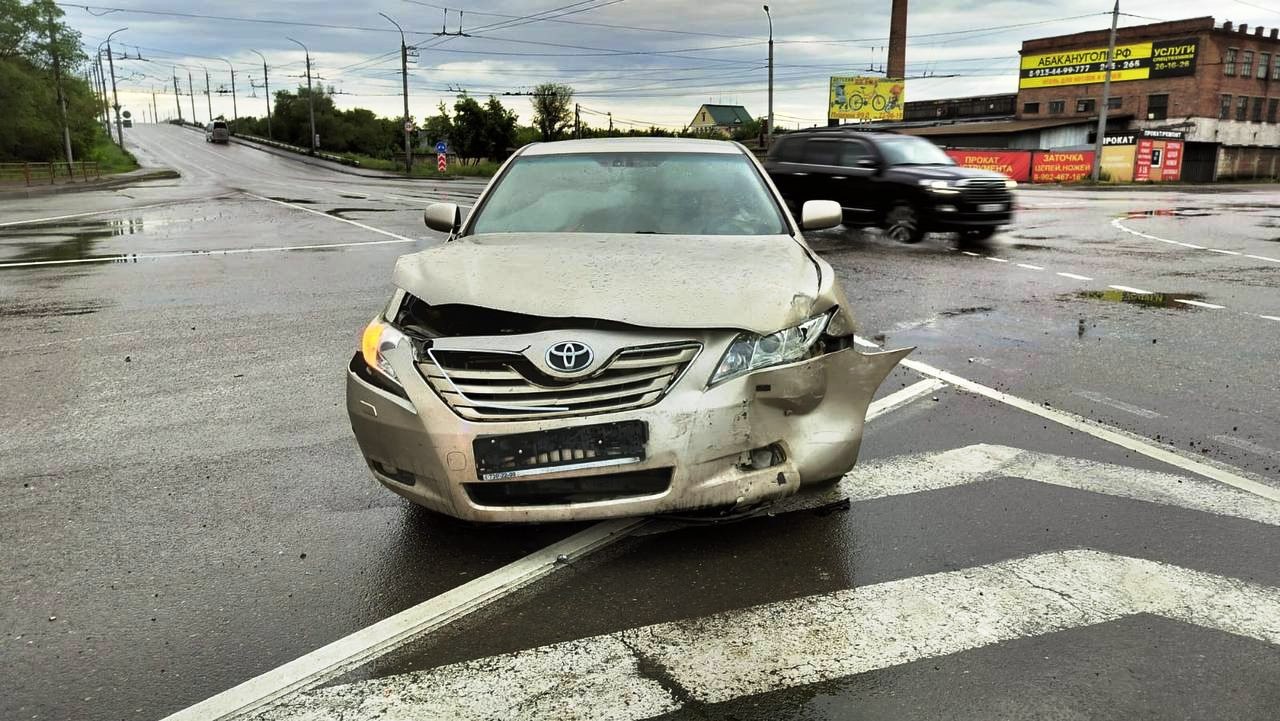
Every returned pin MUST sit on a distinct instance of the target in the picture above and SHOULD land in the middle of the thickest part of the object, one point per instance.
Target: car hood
(942, 172)
(756, 283)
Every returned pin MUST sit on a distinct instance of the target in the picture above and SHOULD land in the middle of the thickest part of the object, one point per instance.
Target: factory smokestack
(897, 67)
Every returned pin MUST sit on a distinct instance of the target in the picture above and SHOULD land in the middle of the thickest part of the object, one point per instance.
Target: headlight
(378, 338)
(750, 352)
(939, 186)
(1010, 183)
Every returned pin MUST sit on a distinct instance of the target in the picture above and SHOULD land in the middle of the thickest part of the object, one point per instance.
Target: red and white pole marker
(442, 161)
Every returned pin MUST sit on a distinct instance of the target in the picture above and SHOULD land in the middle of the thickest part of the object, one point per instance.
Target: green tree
(499, 130)
(552, 109)
(438, 127)
(468, 130)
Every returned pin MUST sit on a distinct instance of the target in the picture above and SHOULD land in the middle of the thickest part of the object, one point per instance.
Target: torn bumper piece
(755, 438)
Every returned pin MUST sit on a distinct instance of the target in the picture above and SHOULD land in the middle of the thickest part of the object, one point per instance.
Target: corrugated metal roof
(728, 114)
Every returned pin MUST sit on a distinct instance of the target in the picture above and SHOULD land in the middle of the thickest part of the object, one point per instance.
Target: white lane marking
(902, 397)
(1250, 446)
(1073, 276)
(804, 641)
(1263, 257)
(1199, 304)
(132, 257)
(22, 349)
(1224, 252)
(1115, 436)
(32, 221)
(1270, 317)
(1028, 266)
(1120, 405)
(1128, 289)
(322, 214)
(997, 260)
(924, 472)
(373, 641)
(1121, 226)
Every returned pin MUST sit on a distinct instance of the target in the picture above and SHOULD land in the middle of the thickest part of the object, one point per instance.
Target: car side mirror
(820, 214)
(444, 217)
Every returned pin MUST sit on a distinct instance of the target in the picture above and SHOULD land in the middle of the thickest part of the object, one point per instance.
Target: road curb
(336, 167)
(115, 181)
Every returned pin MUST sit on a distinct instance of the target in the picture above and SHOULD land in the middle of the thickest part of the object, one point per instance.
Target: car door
(857, 181)
(786, 168)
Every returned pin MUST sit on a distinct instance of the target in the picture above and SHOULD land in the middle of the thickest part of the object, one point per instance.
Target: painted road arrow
(642, 672)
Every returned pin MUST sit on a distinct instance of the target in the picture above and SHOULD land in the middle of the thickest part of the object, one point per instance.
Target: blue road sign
(441, 147)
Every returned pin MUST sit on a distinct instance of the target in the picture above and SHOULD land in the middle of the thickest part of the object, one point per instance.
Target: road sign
(442, 161)
(442, 147)
(408, 126)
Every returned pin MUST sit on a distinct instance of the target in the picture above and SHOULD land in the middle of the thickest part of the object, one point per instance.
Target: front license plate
(559, 450)
(991, 207)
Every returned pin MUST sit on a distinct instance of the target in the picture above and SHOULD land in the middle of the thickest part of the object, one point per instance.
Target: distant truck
(217, 132)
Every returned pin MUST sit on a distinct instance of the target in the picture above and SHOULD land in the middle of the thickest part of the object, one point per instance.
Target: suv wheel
(902, 223)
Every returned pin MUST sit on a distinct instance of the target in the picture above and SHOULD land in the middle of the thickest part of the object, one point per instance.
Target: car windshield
(646, 192)
(907, 150)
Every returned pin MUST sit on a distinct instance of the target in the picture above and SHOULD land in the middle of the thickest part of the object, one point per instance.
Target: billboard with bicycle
(863, 98)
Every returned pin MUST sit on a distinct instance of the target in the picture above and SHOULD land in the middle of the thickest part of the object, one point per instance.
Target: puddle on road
(50, 310)
(66, 241)
(1149, 300)
(966, 311)
(1184, 212)
(342, 212)
(296, 201)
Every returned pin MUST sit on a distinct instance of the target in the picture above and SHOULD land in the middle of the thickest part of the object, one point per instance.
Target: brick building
(1219, 84)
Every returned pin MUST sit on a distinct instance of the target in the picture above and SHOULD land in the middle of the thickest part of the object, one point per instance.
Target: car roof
(634, 145)
(842, 132)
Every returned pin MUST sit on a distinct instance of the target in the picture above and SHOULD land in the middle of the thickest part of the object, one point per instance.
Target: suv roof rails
(852, 128)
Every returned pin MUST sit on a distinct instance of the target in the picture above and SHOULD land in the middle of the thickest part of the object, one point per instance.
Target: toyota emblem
(570, 356)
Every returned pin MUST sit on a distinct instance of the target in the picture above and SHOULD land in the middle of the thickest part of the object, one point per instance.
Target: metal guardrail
(49, 173)
(278, 145)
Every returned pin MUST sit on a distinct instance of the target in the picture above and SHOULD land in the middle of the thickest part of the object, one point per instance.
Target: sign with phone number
(1138, 61)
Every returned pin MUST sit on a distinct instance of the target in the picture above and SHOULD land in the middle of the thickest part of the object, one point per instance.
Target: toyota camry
(617, 327)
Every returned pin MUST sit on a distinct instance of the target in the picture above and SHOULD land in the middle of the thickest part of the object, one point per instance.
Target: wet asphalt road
(188, 510)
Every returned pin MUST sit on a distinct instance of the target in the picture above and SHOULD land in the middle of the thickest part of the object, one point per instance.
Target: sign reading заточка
(1138, 61)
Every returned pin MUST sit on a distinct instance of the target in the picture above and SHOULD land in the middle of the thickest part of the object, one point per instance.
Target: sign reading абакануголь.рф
(1137, 61)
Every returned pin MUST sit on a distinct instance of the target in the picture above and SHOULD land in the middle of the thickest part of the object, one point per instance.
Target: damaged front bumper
(752, 439)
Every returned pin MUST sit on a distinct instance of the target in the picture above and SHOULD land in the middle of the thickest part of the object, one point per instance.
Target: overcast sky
(646, 61)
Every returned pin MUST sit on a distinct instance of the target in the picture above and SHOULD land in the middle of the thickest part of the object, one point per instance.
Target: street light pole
(768, 138)
(57, 80)
(266, 86)
(1106, 96)
(404, 77)
(191, 93)
(235, 113)
(311, 98)
(115, 97)
(177, 96)
(208, 96)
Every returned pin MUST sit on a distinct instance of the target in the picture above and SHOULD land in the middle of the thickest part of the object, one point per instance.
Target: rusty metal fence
(48, 173)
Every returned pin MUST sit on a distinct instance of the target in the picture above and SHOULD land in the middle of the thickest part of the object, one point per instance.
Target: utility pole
(404, 77)
(1106, 96)
(105, 105)
(768, 137)
(311, 98)
(115, 97)
(155, 116)
(177, 97)
(577, 122)
(235, 112)
(610, 113)
(266, 85)
(191, 93)
(57, 81)
(208, 97)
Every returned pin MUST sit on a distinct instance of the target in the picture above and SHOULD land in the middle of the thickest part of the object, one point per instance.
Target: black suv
(901, 183)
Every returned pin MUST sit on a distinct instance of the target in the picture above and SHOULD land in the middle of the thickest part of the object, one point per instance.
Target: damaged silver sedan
(619, 327)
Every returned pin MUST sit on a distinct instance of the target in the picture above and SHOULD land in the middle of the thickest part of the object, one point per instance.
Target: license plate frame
(991, 207)
(502, 457)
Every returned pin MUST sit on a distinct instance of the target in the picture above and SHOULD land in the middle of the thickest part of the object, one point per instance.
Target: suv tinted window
(789, 150)
(853, 151)
(822, 152)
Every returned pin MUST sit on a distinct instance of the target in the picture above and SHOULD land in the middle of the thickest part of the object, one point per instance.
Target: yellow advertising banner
(1138, 61)
(859, 98)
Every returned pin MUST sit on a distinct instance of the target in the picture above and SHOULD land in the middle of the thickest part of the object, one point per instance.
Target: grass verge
(110, 157)
(424, 166)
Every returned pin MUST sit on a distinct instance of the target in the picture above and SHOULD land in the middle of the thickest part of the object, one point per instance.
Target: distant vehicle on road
(903, 184)
(217, 132)
(671, 343)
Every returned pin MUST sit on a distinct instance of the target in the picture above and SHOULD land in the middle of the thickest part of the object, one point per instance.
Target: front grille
(521, 454)
(492, 386)
(985, 191)
(561, 491)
